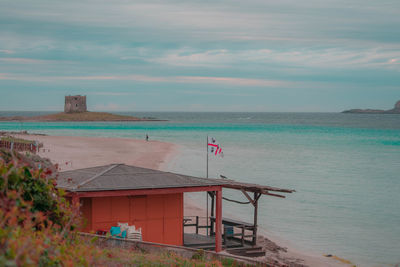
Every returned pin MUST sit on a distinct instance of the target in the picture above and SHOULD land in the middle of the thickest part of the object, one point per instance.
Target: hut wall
(159, 216)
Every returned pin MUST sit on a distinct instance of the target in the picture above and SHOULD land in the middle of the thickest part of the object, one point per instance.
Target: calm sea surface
(344, 167)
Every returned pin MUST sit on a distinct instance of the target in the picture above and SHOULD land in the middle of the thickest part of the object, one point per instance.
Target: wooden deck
(232, 246)
(233, 230)
(208, 242)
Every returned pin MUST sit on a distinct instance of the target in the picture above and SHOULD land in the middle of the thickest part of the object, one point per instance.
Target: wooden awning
(246, 188)
(255, 188)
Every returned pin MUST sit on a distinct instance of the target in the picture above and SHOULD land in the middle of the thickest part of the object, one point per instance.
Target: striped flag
(214, 147)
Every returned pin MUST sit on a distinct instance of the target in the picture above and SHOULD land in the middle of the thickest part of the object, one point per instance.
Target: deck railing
(195, 221)
(20, 146)
(232, 229)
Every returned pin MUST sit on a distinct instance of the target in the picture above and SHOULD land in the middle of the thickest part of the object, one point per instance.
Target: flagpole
(207, 192)
(207, 155)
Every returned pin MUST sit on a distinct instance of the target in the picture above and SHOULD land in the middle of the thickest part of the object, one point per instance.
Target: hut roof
(124, 177)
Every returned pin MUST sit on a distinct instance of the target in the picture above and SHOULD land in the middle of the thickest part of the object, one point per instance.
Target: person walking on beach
(147, 137)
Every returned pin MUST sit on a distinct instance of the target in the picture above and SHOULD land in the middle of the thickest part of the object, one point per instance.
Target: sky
(220, 55)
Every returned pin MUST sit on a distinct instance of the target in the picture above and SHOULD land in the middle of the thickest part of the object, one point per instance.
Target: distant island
(75, 110)
(395, 110)
(81, 116)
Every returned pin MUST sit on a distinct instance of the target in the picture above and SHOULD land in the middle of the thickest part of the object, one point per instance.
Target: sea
(345, 169)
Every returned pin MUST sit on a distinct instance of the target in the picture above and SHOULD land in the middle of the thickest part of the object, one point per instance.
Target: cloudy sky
(227, 55)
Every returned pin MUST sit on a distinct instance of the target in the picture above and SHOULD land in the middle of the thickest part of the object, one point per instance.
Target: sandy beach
(74, 152)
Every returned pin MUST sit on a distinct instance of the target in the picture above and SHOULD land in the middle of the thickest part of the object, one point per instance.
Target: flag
(214, 147)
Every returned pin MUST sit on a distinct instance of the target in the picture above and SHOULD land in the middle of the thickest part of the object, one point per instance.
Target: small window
(76, 105)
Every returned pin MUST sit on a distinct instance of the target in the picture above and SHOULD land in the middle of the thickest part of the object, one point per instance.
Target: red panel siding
(172, 202)
(173, 231)
(159, 216)
(138, 208)
(155, 231)
(101, 210)
(120, 209)
(155, 207)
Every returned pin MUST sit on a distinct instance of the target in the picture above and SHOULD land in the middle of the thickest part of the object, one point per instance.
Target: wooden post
(255, 218)
(207, 214)
(225, 237)
(183, 231)
(218, 222)
(242, 235)
(197, 225)
(207, 156)
(212, 212)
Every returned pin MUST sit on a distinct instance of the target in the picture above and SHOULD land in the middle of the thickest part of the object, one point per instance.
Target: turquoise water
(344, 167)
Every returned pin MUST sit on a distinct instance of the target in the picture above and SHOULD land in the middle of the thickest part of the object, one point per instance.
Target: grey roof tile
(124, 177)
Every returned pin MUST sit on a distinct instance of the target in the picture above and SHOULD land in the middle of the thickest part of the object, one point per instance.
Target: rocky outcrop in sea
(395, 110)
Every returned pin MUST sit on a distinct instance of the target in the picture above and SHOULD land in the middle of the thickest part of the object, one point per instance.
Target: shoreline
(68, 152)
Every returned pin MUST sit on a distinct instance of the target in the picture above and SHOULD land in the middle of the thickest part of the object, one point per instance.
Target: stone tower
(75, 103)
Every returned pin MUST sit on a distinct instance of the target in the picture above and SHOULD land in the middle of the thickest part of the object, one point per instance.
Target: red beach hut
(153, 201)
(149, 199)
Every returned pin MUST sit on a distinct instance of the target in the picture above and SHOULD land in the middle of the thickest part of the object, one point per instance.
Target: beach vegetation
(39, 227)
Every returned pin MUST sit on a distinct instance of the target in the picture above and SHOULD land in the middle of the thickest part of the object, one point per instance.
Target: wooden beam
(252, 187)
(271, 194)
(256, 197)
(235, 201)
(248, 197)
(218, 222)
(259, 195)
(136, 192)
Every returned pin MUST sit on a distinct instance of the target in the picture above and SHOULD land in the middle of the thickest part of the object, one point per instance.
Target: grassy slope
(125, 257)
(87, 116)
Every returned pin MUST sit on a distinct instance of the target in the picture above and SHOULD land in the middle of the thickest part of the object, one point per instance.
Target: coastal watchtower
(75, 103)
